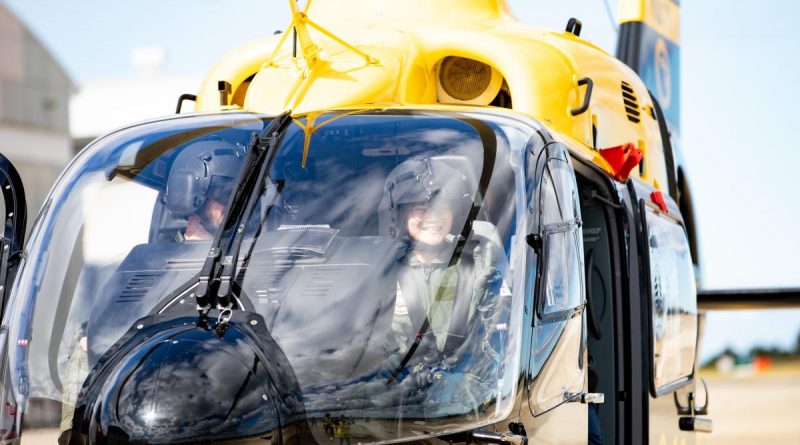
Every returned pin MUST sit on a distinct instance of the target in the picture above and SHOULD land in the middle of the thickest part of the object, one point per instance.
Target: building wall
(34, 116)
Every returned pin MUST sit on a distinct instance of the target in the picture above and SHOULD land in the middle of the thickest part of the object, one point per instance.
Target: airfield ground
(754, 409)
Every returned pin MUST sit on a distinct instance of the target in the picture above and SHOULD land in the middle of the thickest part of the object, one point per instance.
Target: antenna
(300, 21)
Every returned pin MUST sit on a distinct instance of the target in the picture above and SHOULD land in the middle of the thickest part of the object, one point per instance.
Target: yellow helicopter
(415, 221)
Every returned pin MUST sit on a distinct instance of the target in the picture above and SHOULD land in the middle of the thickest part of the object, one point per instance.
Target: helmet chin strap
(421, 246)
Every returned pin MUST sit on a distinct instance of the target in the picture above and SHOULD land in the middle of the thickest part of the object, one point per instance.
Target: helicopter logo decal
(662, 73)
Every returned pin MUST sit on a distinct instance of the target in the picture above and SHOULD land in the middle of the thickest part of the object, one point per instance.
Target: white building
(45, 119)
(34, 116)
(103, 105)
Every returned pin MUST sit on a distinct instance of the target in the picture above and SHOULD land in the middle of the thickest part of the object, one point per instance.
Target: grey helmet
(426, 181)
(202, 170)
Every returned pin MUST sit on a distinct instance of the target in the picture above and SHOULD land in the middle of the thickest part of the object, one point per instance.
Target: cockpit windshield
(379, 259)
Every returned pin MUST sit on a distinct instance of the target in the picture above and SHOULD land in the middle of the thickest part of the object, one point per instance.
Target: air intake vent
(464, 79)
(138, 286)
(631, 103)
(467, 81)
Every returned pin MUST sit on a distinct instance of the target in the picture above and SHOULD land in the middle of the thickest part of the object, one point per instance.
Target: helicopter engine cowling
(190, 381)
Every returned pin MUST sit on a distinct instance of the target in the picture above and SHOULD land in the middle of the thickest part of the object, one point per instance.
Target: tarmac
(754, 409)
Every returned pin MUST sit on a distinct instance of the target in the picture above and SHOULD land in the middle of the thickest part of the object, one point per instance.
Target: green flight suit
(436, 286)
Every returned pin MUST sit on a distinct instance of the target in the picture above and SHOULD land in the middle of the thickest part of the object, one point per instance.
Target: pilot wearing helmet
(442, 302)
(200, 184)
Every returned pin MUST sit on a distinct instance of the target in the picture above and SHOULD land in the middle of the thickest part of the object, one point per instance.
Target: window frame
(568, 227)
(555, 152)
(681, 381)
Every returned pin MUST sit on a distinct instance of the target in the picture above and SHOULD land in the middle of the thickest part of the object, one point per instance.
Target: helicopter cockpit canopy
(378, 263)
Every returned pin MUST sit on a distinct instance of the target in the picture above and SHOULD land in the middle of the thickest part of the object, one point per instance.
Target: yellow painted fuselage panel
(408, 38)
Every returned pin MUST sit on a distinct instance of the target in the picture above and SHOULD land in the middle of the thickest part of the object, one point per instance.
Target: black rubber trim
(591, 314)
(666, 143)
(16, 216)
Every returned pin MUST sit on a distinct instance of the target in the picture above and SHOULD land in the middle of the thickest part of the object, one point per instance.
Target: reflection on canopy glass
(673, 300)
(374, 288)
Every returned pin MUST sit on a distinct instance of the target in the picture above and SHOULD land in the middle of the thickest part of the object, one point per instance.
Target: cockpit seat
(351, 281)
(145, 277)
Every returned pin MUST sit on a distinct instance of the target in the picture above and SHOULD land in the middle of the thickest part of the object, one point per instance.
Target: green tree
(797, 346)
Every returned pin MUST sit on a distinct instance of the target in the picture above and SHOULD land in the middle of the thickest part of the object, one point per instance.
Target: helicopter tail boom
(649, 42)
(729, 299)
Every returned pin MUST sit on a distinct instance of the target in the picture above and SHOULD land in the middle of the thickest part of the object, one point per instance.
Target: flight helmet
(203, 170)
(431, 182)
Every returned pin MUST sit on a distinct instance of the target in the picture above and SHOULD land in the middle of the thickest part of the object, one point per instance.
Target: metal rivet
(253, 322)
(139, 326)
(182, 301)
(264, 397)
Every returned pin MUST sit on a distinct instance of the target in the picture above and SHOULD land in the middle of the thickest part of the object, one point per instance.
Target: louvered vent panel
(138, 286)
(271, 284)
(184, 264)
(631, 103)
(321, 282)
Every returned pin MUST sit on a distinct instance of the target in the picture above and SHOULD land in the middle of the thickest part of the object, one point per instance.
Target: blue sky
(739, 84)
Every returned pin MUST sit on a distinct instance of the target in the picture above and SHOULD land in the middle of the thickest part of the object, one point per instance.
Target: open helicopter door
(558, 358)
(15, 211)
(662, 262)
(11, 242)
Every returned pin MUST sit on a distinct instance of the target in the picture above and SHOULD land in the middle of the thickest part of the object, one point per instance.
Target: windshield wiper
(213, 286)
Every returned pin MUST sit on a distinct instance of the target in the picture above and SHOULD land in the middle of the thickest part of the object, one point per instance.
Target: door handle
(585, 397)
(586, 98)
(697, 424)
(490, 437)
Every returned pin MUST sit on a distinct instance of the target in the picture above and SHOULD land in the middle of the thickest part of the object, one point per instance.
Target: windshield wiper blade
(230, 261)
(219, 262)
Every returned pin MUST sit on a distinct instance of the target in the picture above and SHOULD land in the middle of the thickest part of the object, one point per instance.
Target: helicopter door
(558, 356)
(15, 214)
(14, 209)
(669, 298)
(669, 289)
